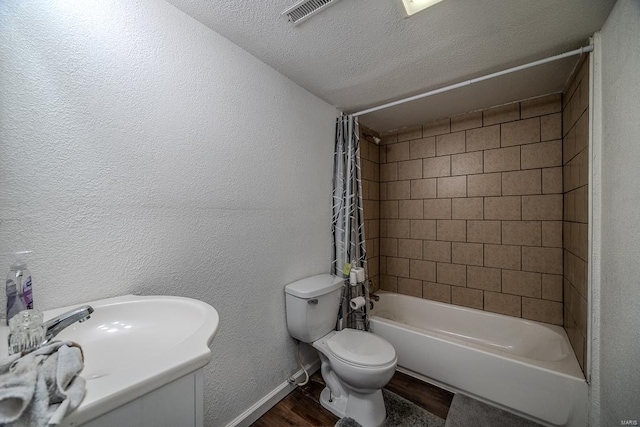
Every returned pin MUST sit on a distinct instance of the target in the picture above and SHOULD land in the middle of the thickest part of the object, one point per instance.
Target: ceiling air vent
(305, 9)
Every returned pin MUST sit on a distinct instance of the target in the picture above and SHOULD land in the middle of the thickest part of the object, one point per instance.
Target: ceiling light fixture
(415, 6)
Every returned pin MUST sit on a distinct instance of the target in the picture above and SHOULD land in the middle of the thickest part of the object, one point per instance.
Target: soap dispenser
(18, 286)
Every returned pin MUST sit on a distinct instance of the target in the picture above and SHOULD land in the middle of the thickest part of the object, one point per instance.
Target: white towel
(40, 388)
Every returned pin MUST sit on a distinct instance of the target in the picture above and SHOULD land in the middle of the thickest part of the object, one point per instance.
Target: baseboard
(259, 408)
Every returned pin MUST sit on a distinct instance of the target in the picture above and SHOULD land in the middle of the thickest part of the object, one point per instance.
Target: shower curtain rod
(580, 51)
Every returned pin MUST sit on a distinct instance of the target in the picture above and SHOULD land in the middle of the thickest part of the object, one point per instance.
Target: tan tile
(527, 233)
(455, 186)
(502, 159)
(397, 152)
(388, 138)
(551, 127)
(542, 260)
(436, 251)
(452, 274)
(483, 231)
(451, 230)
(522, 182)
(422, 148)
(388, 283)
(389, 209)
(410, 287)
(436, 292)
(373, 267)
(521, 283)
(502, 303)
(423, 188)
(383, 191)
(409, 248)
(389, 172)
(398, 267)
(436, 166)
(552, 234)
(423, 270)
(423, 229)
(502, 256)
(374, 229)
(542, 154)
(413, 132)
(542, 310)
(398, 228)
(483, 138)
(466, 121)
(569, 146)
(501, 114)
(410, 169)
(520, 132)
(582, 204)
(488, 184)
(467, 208)
(467, 163)
(437, 209)
(367, 170)
(466, 253)
(540, 106)
(552, 287)
(398, 190)
(552, 180)
(505, 208)
(450, 143)
(438, 127)
(374, 190)
(410, 209)
(545, 207)
(582, 133)
(467, 297)
(370, 209)
(582, 168)
(484, 278)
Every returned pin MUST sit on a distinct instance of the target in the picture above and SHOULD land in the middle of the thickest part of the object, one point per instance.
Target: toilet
(355, 365)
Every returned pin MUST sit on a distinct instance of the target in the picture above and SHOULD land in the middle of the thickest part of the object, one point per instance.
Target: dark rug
(468, 412)
(400, 413)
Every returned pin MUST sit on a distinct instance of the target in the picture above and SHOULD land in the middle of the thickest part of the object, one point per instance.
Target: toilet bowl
(355, 364)
(355, 367)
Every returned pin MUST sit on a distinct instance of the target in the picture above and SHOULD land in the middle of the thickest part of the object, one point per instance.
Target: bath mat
(468, 412)
(400, 413)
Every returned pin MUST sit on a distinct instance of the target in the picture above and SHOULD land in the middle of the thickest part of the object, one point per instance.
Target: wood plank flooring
(302, 406)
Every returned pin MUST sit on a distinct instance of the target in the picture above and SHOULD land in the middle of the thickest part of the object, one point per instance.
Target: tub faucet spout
(54, 326)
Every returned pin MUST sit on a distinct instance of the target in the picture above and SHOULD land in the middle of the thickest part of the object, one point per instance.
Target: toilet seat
(361, 348)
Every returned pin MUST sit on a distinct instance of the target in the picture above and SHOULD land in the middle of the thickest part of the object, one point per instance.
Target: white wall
(140, 152)
(616, 358)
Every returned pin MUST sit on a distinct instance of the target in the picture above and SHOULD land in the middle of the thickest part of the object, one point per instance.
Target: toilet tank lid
(314, 286)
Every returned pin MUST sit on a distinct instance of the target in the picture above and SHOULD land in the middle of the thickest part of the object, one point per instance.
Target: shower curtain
(348, 219)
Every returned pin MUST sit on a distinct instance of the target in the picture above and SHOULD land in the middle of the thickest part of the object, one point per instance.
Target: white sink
(133, 345)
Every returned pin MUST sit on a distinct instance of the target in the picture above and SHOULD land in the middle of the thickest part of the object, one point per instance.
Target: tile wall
(471, 210)
(575, 159)
(370, 174)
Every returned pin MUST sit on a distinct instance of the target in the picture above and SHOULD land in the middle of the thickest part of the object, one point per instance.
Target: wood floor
(302, 407)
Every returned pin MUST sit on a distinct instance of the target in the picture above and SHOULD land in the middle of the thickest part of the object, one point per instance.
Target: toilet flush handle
(313, 301)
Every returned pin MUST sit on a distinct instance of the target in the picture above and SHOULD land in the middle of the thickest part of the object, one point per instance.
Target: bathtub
(525, 367)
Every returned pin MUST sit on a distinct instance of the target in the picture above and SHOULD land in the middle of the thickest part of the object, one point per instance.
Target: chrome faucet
(54, 326)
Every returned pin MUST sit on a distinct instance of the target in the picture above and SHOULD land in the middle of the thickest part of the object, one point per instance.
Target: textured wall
(617, 374)
(471, 210)
(143, 153)
(575, 160)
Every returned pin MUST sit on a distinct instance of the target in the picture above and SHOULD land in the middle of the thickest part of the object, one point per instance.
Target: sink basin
(134, 344)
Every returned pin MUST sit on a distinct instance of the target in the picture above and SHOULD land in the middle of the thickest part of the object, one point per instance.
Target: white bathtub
(523, 366)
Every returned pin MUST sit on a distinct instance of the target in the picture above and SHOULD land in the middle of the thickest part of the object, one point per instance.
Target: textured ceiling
(361, 53)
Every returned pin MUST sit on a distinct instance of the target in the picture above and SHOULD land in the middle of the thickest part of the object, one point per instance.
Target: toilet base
(367, 409)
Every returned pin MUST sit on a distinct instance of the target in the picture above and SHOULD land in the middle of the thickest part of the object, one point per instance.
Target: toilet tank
(312, 306)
